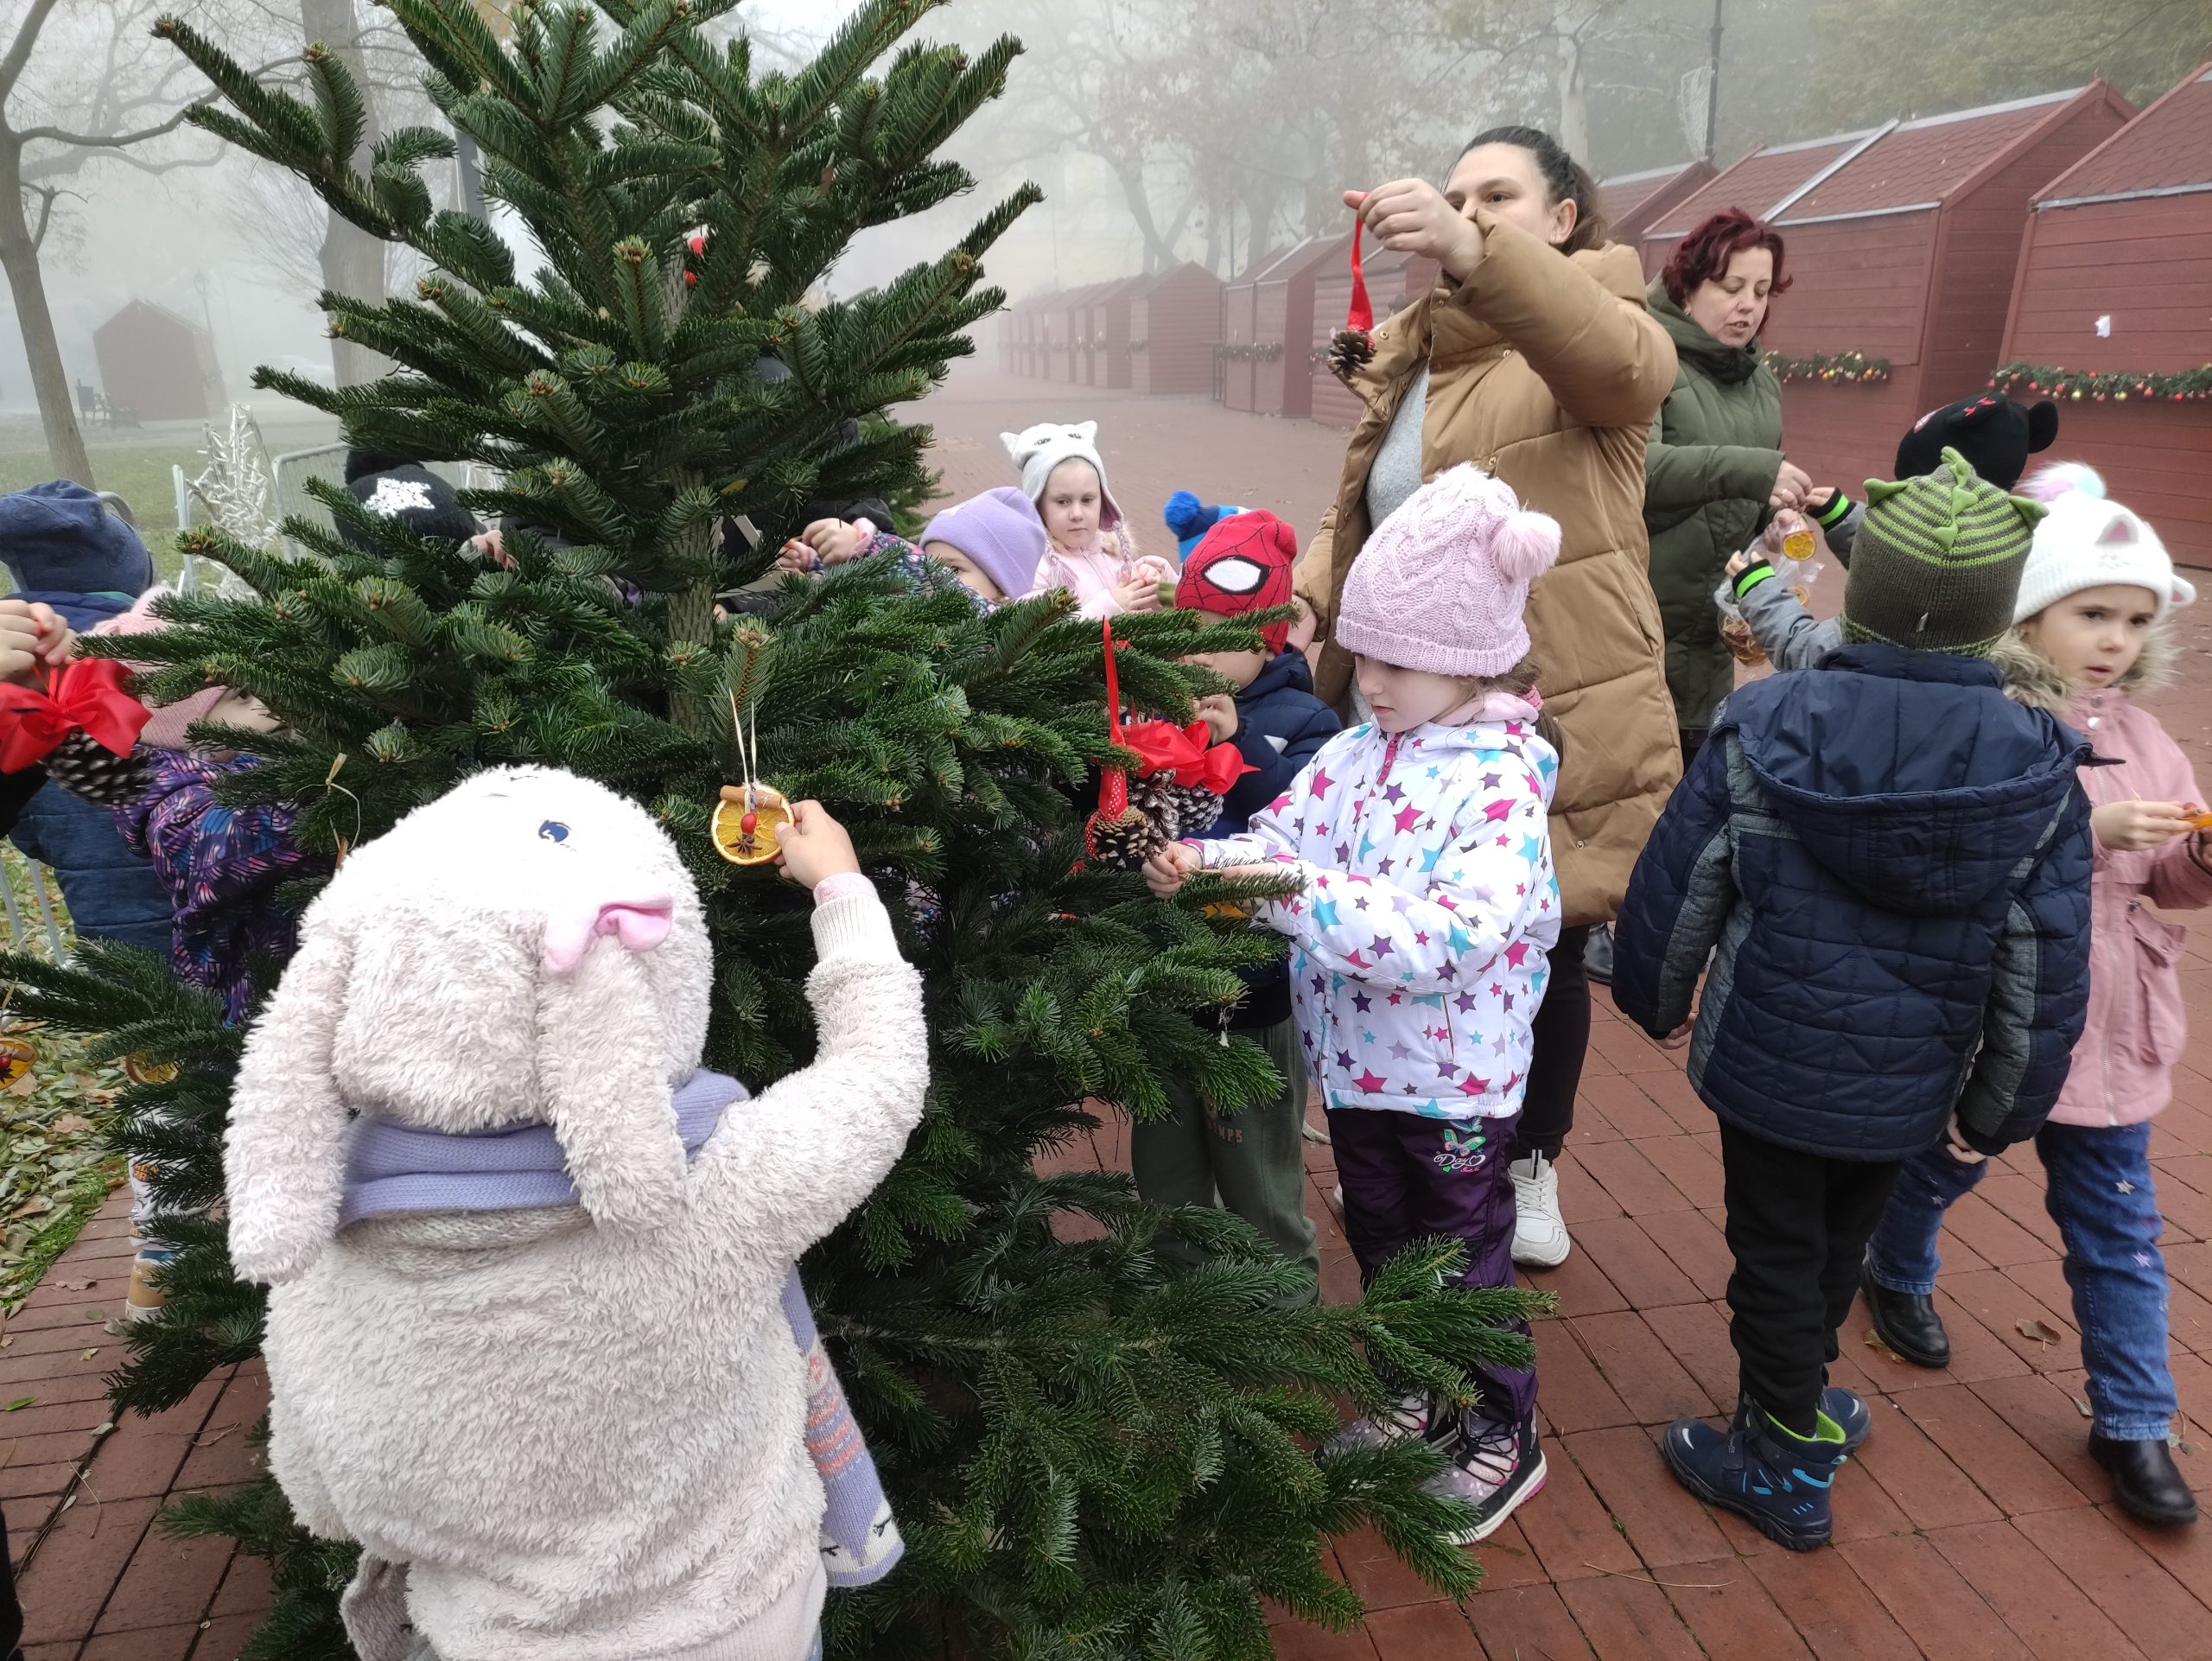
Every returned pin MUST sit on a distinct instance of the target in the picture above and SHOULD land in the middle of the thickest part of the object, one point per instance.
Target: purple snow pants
(1408, 1178)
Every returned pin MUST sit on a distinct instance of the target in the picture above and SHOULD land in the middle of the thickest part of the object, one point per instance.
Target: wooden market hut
(1109, 332)
(157, 367)
(1174, 320)
(1282, 323)
(1058, 338)
(1239, 336)
(1395, 280)
(1902, 247)
(1633, 203)
(2113, 301)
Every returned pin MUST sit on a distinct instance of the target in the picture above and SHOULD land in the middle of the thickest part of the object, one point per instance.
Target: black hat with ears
(1995, 436)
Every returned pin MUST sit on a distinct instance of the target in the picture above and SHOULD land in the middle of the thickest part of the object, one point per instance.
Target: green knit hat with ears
(1938, 561)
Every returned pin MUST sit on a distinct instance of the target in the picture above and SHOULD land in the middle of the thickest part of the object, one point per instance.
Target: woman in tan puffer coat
(1534, 359)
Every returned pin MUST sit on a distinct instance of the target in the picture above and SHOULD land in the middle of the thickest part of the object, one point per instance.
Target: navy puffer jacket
(1888, 862)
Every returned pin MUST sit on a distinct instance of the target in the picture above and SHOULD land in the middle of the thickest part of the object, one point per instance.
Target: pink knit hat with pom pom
(1441, 583)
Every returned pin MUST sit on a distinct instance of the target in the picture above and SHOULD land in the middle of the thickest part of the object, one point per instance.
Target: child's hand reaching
(1735, 565)
(33, 639)
(835, 540)
(1140, 593)
(1220, 714)
(1167, 870)
(2133, 826)
(813, 845)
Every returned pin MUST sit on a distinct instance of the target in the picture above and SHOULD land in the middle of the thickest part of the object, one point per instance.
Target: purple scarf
(392, 1168)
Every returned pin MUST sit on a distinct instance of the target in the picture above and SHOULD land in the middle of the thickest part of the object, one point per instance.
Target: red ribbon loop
(87, 694)
(1362, 314)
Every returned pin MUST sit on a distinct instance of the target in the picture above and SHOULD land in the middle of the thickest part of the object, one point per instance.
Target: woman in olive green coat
(1713, 468)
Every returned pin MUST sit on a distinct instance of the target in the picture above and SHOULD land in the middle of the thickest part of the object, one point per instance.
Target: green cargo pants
(1250, 1161)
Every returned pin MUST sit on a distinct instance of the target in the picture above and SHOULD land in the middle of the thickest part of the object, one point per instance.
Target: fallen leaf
(2081, 1406)
(72, 1125)
(86, 1355)
(37, 1205)
(2037, 1330)
(76, 1286)
(1874, 1343)
(20, 1402)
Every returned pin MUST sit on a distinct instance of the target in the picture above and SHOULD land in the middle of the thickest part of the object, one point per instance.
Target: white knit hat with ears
(1036, 450)
(2085, 541)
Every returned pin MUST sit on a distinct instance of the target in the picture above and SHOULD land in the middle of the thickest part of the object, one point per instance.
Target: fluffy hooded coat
(1545, 370)
(1419, 942)
(529, 949)
(1887, 863)
(2122, 1071)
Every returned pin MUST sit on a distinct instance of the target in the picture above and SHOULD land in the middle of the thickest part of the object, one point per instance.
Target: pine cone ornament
(1120, 842)
(1351, 350)
(1195, 809)
(1161, 800)
(96, 774)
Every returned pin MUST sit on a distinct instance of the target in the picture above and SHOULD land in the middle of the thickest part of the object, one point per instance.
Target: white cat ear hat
(2087, 541)
(529, 948)
(1036, 450)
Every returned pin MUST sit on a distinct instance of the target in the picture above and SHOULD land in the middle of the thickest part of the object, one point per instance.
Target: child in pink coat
(2091, 626)
(1093, 547)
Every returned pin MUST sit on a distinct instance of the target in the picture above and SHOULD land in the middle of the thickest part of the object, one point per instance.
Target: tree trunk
(352, 259)
(1573, 83)
(57, 407)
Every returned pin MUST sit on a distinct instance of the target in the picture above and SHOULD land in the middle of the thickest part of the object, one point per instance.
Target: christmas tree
(1090, 1454)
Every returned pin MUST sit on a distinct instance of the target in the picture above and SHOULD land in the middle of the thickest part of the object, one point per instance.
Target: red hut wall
(1283, 320)
(1393, 281)
(1110, 321)
(2125, 237)
(155, 365)
(1174, 320)
(1238, 325)
(1983, 228)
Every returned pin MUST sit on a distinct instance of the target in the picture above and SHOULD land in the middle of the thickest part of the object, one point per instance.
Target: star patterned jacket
(1419, 943)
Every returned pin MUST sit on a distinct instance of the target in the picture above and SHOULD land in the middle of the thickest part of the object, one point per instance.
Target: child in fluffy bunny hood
(1093, 549)
(472, 1151)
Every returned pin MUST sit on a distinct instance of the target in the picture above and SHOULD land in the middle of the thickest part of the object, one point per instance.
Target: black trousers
(1798, 1225)
(1561, 1038)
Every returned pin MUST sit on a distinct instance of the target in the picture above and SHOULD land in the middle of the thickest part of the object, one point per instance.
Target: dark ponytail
(1565, 180)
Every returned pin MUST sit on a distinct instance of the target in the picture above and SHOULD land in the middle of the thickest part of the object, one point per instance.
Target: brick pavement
(1973, 1524)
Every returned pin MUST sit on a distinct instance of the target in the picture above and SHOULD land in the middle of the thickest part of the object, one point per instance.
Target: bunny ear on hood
(604, 1074)
(285, 1153)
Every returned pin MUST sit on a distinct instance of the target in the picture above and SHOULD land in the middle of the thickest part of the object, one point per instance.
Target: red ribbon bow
(89, 694)
(1187, 755)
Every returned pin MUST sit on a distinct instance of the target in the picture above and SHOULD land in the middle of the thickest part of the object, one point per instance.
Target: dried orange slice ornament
(17, 1056)
(745, 821)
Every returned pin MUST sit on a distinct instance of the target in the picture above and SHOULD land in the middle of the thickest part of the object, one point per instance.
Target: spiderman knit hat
(1243, 564)
(1442, 583)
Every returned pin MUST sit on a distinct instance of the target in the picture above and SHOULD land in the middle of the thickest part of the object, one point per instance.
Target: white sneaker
(1540, 1239)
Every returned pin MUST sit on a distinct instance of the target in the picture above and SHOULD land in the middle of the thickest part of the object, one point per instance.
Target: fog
(1159, 130)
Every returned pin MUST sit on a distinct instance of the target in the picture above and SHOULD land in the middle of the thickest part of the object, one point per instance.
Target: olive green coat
(1708, 470)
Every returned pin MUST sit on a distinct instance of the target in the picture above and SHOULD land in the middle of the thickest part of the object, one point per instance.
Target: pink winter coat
(2123, 1065)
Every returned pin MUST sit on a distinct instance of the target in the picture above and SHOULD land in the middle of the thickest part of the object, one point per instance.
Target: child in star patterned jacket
(1419, 940)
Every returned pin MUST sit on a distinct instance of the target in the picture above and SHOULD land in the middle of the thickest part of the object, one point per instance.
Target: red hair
(1703, 256)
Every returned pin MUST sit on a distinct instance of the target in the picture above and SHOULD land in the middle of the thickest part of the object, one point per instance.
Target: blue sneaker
(1776, 1480)
(1852, 1414)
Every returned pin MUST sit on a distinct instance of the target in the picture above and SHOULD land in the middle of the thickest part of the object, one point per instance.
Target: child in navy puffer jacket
(1419, 943)
(1254, 1158)
(1887, 863)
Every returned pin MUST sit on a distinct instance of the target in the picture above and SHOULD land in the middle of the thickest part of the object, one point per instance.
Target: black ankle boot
(1907, 1322)
(2145, 1480)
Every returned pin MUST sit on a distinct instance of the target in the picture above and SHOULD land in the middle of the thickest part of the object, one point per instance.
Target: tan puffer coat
(1545, 370)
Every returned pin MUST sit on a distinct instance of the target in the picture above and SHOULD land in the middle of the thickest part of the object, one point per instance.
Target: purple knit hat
(1441, 582)
(1000, 531)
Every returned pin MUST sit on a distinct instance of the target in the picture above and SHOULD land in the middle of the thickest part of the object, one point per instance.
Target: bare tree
(124, 96)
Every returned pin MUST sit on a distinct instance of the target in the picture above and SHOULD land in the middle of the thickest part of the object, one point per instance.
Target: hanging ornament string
(1352, 347)
(1114, 785)
(745, 820)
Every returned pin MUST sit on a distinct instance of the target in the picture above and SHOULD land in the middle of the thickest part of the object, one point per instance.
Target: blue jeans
(2097, 1190)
